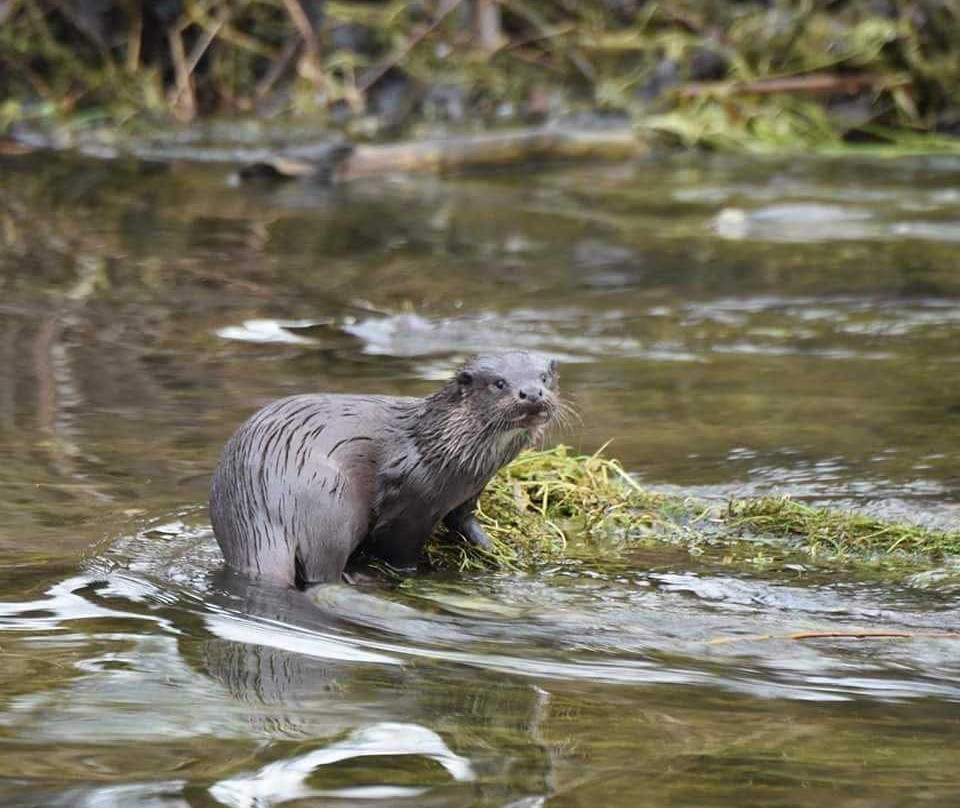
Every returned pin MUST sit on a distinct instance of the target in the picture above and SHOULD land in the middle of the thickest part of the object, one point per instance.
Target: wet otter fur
(309, 479)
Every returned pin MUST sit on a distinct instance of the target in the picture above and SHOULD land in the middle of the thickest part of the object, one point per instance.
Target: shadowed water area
(735, 326)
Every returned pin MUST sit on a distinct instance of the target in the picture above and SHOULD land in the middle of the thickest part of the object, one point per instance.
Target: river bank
(732, 75)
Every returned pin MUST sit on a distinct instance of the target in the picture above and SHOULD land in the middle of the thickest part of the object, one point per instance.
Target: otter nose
(533, 394)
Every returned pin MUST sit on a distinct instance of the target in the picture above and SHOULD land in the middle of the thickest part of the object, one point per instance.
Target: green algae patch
(555, 505)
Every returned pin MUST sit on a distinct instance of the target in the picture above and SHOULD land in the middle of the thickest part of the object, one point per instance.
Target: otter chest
(420, 497)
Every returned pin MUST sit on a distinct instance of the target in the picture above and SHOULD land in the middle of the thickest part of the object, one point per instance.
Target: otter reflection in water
(310, 479)
(313, 678)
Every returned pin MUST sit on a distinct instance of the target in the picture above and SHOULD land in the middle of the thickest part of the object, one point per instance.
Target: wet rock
(339, 113)
(848, 112)
(948, 124)
(165, 12)
(666, 76)
(445, 102)
(353, 37)
(277, 169)
(393, 98)
(90, 17)
(317, 162)
(707, 64)
(158, 17)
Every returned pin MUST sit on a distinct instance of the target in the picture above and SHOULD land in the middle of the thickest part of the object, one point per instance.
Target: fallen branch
(448, 155)
(814, 84)
(864, 634)
(492, 150)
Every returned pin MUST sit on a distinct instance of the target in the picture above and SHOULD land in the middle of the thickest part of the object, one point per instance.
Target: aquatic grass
(555, 505)
(545, 500)
(836, 532)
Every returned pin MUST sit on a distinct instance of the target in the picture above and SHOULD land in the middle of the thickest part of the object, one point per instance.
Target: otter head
(514, 391)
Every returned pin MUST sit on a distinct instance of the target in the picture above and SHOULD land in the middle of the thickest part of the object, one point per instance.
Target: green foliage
(749, 125)
(696, 73)
(549, 505)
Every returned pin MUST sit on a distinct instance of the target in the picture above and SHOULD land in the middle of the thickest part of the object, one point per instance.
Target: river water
(735, 326)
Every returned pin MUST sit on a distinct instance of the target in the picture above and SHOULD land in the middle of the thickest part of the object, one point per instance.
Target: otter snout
(532, 395)
(533, 404)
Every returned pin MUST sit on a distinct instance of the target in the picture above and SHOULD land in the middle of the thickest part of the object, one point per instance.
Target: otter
(310, 479)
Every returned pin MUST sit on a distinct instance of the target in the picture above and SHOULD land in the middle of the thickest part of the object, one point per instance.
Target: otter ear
(464, 378)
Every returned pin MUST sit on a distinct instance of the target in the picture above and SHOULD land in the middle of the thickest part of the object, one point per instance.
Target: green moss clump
(544, 502)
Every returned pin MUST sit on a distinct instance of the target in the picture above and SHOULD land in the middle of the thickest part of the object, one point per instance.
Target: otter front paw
(476, 535)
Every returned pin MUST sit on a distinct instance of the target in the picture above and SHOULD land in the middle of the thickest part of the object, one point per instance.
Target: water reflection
(286, 780)
(512, 671)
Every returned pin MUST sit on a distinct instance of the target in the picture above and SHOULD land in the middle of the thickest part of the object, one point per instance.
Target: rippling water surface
(735, 327)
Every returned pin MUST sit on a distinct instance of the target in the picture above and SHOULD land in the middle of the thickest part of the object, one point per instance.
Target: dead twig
(134, 40)
(541, 36)
(183, 99)
(302, 23)
(542, 26)
(277, 68)
(183, 102)
(537, 58)
(814, 84)
(200, 48)
(488, 25)
(859, 634)
(310, 62)
(415, 40)
(201, 16)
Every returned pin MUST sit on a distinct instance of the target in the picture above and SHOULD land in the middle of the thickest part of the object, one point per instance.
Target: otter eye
(501, 383)
(544, 378)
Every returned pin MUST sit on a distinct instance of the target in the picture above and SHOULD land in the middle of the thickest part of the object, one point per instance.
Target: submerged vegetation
(761, 74)
(551, 505)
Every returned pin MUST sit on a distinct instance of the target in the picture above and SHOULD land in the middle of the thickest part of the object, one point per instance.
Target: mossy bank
(732, 75)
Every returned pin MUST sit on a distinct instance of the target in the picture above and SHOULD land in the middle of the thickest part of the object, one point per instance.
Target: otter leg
(463, 520)
(328, 521)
